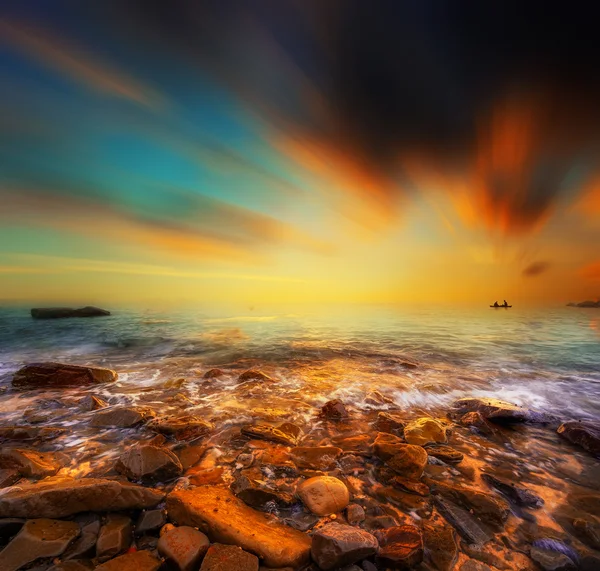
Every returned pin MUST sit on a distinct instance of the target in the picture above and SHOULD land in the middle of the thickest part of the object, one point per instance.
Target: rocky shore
(160, 483)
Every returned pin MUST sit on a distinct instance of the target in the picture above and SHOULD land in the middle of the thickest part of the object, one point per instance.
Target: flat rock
(121, 416)
(26, 433)
(286, 433)
(316, 457)
(519, 495)
(114, 536)
(61, 497)
(497, 411)
(38, 538)
(149, 464)
(226, 519)
(584, 433)
(62, 312)
(30, 463)
(184, 427)
(441, 547)
(59, 375)
(445, 454)
(425, 431)
(323, 495)
(550, 560)
(136, 561)
(184, 546)
(409, 461)
(400, 547)
(334, 410)
(466, 525)
(335, 545)
(229, 558)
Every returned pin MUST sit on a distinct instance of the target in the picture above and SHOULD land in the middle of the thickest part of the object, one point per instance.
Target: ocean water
(420, 359)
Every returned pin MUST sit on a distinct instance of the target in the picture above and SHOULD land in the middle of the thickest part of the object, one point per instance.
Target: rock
(149, 464)
(30, 433)
(250, 486)
(445, 454)
(228, 558)
(8, 527)
(226, 519)
(30, 463)
(92, 402)
(588, 532)
(121, 416)
(584, 433)
(409, 461)
(323, 495)
(389, 423)
(386, 445)
(468, 527)
(425, 431)
(61, 497)
(375, 398)
(355, 514)
(8, 477)
(184, 546)
(316, 457)
(150, 520)
(114, 536)
(517, 494)
(59, 375)
(359, 444)
(335, 545)
(409, 486)
(550, 560)
(485, 556)
(75, 565)
(38, 538)
(62, 312)
(440, 545)
(183, 427)
(588, 303)
(472, 565)
(475, 420)
(136, 561)
(85, 544)
(496, 410)
(253, 375)
(334, 410)
(399, 547)
(286, 433)
(213, 374)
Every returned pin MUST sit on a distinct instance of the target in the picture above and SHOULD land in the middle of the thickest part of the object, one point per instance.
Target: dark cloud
(536, 269)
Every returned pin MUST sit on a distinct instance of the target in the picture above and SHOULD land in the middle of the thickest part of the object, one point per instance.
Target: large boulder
(324, 495)
(226, 519)
(59, 375)
(425, 431)
(400, 547)
(38, 538)
(62, 497)
(149, 464)
(584, 433)
(62, 312)
(336, 545)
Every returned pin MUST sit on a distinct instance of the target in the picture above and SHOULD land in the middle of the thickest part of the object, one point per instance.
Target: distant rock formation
(584, 304)
(59, 312)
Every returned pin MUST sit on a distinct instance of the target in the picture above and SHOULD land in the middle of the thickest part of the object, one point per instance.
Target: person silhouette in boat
(496, 304)
(505, 304)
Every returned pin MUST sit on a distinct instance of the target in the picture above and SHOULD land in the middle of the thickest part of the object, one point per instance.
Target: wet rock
(38, 538)
(121, 416)
(323, 495)
(588, 532)
(390, 423)
(550, 560)
(62, 312)
(183, 427)
(496, 410)
(409, 461)
(336, 545)
(8, 477)
(359, 444)
(253, 375)
(25, 433)
(386, 445)
(302, 521)
(316, 457)
(472, 565)
(205, 477)
(184, 547)
(30, 463)
(400, 547)
(355, 514)
(445, 454)
(228, 558)
(92, 402)
(584, 433)
(150, 520)
(225, 518)
(468, 527)
(114, 536)
(380, 522)
(286, 433)
(425, 431)
(334, 410)
(410, 486)
(213, 374)
(351, 463)
(59, 375)
(61, 497)
(136, 561)
(149, 464)
(85, 544)
(375, 398)
(250, 486)
(475, 420)
(519, 495)
(75, 565)
(441, 548)
(480, 553)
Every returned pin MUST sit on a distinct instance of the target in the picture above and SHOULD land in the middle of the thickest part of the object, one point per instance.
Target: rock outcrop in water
(584, 433)
(50, 375)
(63, 312)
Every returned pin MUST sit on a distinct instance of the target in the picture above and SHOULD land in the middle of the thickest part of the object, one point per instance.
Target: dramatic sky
(299, 150)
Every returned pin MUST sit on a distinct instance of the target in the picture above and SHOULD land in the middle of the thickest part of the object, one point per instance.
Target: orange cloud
(591, 272)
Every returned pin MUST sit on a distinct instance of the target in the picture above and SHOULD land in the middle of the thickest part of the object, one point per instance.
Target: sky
(299, 151)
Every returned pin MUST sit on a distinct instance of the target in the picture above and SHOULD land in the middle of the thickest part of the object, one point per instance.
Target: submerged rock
(468, 527)
(62, 312)
(225, 518)
(355, 514)
(253, 375)
(59, 375)
(323, 495)
(584, 433)
(517, 494)
(441, 547)
(149, 464)
(550, 560)
(121, 416)
(478, 422)
(61, 497)
(183, 427)
(286, 433)
(213, 374)
(334, 410)
(386, 445)
(184, 546)
(92, 402)
(425, 431)
(32, 464)
(336, 545)
(445, 453)
(497, 411)
(400, 547)
(316, 457)
(228, 558)
(136, 561)
(250, 486)
(38, 538)
(24, 433)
